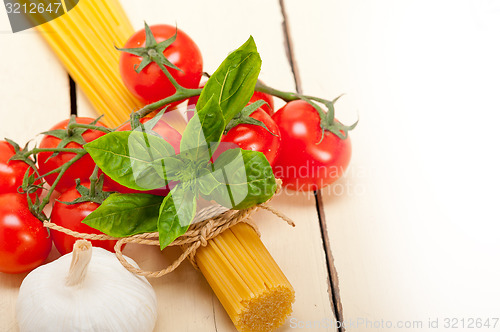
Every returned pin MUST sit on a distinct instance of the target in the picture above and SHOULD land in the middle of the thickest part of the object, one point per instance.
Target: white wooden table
(412, 230)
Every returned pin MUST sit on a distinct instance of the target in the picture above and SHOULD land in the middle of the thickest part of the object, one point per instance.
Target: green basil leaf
(126, 214)
(233, 83)
(203, 132)
(134, 159)
(246, 179)
(206, 182)
(176, 214)
(149, 125)
(171, 168)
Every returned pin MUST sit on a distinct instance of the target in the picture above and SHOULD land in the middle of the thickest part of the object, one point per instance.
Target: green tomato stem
(69, 129)
(286, 96)
(38, 209)
(178, 96)
(93, 127)
(38, 150)
(165, 71)
(93, 180)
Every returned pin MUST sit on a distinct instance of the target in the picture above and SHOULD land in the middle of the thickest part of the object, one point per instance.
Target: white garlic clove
(108, 299)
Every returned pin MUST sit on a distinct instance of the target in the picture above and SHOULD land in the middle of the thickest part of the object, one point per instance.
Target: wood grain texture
(412, 227)
(186, 302)
(34, 91)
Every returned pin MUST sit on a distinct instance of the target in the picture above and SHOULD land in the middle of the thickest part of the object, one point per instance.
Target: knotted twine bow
(208, 223)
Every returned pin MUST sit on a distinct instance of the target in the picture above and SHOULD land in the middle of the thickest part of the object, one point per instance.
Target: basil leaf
(176, 214)
(206, 182)
(149, 125)
(171, 168)
(246, 179)
(126, 214)
(134, 159)
(233, 83)
(203, 132)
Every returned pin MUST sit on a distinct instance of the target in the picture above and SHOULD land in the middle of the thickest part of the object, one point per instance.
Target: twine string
(208, 224)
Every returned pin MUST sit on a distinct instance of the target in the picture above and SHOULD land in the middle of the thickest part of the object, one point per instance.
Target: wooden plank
(34, 96)
(34, 90)
(400, 222)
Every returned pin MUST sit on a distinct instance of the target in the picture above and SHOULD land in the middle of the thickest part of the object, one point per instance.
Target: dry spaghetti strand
(84, 40)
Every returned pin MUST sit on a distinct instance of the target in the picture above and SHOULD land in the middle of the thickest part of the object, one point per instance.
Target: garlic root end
(81, 255)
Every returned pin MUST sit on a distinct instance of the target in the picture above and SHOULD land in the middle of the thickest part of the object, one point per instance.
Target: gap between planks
(72, 97)
(333, 281)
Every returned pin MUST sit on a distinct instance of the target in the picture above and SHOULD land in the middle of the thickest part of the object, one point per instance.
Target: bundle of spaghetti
(84, 40)
(247, 281)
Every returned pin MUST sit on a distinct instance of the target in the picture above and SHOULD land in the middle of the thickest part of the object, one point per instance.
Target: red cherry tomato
(24, 242)
(307, 162)
(81, 169)
(168, 133)
(151, 84)
(256, 138)
(269, 108)
(11, 172)
(70, 217)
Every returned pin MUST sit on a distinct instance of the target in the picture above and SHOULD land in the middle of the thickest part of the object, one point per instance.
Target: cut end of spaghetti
(266, 312)
(247, 281)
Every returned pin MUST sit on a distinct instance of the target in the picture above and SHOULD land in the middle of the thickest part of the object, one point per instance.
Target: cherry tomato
(81, 169)
(24, 242)
(151, 84)
(70, 217)
(168, 133)
(307, 161)
(11, 172)
(256, 138)
(269, 108)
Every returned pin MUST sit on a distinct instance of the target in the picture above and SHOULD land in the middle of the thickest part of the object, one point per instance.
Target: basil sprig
(238, 179)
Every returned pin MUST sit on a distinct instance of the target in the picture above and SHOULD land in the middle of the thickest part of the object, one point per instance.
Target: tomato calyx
(95, 193)
(20, 154)
(152, 51)
(73, 133)
(243, 117)
(31, 184)
(328, 121)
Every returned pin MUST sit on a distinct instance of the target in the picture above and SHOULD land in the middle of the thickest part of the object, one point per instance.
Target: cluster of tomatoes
(302, 153)
(24, 242)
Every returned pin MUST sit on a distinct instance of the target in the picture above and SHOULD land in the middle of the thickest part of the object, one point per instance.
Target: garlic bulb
(87, 290)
